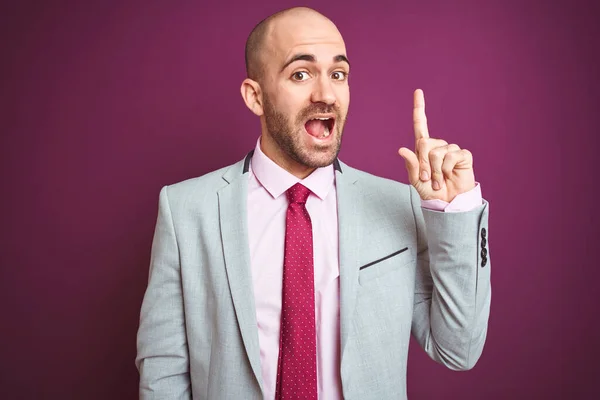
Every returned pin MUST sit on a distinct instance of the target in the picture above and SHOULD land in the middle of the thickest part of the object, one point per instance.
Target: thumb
(412, 164)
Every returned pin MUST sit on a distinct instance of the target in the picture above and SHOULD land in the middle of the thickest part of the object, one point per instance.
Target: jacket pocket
(383, 265)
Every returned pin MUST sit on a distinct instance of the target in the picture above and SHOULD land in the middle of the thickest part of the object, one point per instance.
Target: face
(305, 93)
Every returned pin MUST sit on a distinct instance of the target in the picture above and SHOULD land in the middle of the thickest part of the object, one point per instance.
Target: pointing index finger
(419, 117)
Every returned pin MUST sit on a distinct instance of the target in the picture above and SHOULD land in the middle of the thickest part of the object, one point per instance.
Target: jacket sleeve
(452, 286)
(162, 351)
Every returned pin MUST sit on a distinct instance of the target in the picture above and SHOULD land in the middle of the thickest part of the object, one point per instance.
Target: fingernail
(424, 175)
(435, 185)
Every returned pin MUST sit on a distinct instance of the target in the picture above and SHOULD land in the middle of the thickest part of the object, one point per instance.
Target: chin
(321, 155)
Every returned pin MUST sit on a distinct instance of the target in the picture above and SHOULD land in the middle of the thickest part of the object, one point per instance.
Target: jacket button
(484, 253)
(483, 242)
(483, 262)
(483, 233)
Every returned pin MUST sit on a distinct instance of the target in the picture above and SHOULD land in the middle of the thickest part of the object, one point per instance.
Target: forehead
(310, 34)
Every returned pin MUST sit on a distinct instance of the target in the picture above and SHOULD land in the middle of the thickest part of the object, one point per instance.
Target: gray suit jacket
(402, 270)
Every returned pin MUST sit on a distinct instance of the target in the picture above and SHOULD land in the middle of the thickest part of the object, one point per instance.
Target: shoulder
(201, 188)
(378, 186)
(208, 182)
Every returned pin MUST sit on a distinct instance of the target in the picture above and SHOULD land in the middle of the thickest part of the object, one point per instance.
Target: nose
(323, 91)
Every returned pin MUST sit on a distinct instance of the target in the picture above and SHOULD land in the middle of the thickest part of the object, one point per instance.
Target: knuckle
(436, 154)
(447, 170)
(440, 151)
(453, 156)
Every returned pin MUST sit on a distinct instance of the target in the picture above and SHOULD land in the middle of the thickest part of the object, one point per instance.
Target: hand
(438, 170)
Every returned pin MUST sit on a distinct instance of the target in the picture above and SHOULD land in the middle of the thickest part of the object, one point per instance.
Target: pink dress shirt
(267, 207)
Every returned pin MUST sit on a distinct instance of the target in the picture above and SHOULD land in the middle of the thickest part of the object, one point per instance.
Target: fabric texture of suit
(403, 269)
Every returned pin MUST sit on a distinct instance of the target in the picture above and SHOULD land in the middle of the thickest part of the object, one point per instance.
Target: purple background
(103, 103)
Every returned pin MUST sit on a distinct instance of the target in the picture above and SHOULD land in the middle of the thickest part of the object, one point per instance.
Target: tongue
(315, 127)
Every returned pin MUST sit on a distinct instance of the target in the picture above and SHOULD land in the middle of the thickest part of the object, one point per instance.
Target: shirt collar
(277, 180)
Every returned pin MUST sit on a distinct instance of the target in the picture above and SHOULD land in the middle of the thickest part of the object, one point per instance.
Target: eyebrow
(311, 58)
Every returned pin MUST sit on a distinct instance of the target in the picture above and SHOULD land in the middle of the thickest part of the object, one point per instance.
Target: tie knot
(298, 193)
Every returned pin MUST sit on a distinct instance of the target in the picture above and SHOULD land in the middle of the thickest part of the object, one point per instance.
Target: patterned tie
(297, 366)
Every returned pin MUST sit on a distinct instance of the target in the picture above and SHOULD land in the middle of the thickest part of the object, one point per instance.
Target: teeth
(326, 132)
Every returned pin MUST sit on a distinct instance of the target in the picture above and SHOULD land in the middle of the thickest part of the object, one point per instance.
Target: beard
(291, 140)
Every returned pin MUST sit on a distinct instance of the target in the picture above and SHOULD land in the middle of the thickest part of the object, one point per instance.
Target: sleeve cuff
(463, 202)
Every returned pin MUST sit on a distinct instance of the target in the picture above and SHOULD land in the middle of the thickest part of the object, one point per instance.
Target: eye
(300, 76)
(339, 75)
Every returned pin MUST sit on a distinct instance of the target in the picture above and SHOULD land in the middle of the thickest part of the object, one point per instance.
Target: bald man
(291, 275)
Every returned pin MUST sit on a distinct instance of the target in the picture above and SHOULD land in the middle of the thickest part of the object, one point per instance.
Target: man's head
(298, 84)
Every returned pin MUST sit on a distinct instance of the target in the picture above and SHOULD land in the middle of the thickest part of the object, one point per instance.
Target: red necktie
(297, 366)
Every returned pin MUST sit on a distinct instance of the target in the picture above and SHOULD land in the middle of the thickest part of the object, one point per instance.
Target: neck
(271, 150)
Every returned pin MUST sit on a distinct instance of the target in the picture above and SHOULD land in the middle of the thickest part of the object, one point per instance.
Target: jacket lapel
(234, 235)
(349, 203)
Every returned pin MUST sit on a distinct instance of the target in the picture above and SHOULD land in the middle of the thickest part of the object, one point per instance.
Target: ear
(252, 95)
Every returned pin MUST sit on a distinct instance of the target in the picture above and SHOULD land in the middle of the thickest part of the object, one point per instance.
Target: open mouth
(320, 127)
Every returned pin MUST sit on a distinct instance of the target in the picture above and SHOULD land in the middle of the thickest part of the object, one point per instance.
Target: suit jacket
(403, 269)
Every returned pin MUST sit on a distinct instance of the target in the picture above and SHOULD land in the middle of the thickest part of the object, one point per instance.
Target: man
(291, 275)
